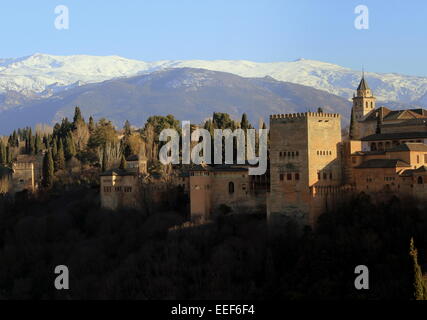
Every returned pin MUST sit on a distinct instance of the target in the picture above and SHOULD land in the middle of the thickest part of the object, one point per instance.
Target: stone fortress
(311, 167)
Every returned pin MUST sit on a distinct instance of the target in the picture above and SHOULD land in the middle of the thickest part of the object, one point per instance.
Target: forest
(137, 255)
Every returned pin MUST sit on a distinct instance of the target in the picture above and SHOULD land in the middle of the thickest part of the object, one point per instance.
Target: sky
(256, 30)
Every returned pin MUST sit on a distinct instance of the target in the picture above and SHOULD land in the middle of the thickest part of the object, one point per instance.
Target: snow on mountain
(43, 74)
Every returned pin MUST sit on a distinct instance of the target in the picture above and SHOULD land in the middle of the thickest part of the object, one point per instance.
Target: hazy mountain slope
(189, 94)
(47, 74)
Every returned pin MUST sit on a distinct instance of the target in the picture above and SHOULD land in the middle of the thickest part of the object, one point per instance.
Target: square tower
(304, 158)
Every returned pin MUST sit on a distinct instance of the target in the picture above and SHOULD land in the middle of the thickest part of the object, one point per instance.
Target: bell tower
(364, 101)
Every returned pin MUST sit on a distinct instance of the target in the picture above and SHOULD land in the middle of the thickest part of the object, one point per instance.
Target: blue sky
(258, 30)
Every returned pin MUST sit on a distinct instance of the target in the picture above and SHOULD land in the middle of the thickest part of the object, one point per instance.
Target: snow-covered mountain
(188, 94)
(45, 75)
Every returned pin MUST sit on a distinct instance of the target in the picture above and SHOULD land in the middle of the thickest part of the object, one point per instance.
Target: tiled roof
(382, 163)
(410, 172)
(393, 136)
(409, 147)
(368, 153)
(389, 115)
(117, 172)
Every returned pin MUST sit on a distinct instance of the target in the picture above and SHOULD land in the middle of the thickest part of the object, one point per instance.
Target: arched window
(420, 180)
(231, 188)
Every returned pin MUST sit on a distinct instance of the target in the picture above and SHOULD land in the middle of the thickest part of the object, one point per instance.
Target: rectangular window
(282, 177)
(289, 176)
(297, 176)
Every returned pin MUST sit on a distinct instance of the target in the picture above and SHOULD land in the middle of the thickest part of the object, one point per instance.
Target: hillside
(189, 94)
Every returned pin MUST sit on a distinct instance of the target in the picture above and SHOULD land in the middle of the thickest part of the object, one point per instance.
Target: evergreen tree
(91, 125)
(60, 157)
(48, 170)
(31, 142)
(38, 144)
(54, 145)
(78, 118)
(126, 147)
(69, 147)
(244, 124)
(419, 288)
(104, 159)
(127, 129)
(3, 154)
(123, 163)
(8, 155)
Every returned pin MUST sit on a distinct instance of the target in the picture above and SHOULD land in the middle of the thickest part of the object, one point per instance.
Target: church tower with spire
(364, 101)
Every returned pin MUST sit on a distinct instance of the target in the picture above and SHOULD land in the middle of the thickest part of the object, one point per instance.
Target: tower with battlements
(305, 164)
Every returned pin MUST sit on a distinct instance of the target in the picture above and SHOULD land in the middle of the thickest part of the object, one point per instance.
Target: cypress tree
(78, 118)
(60, 158)
(69, 147)
(31, 142)
(127, 129)
(91, 125)
(244, 124)
(38, 144)
(15, 140)
(104, 160)
(126, 148)
(3, 154)
(419, 288)
(8, 155)
(123, 163)
(48, 170)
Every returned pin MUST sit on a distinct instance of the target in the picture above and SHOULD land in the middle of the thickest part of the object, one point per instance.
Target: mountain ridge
(187, 93)
(39, 73)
